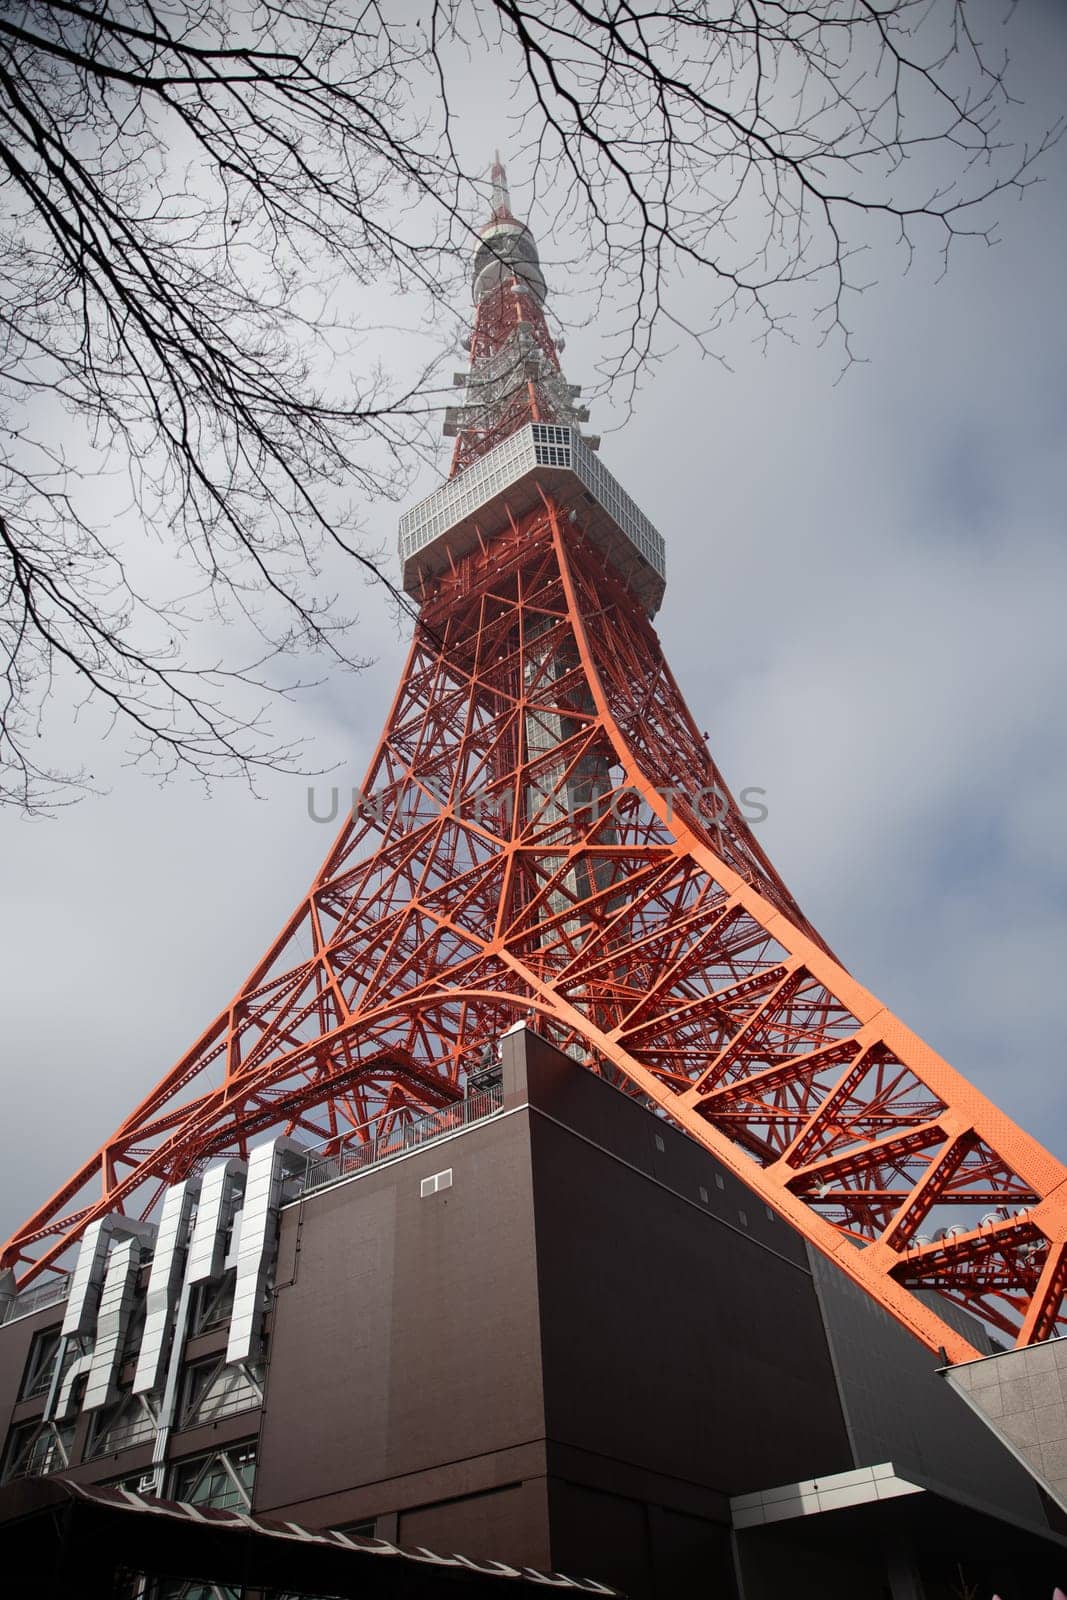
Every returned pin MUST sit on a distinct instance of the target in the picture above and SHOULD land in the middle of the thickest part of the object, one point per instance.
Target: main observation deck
(542, 455)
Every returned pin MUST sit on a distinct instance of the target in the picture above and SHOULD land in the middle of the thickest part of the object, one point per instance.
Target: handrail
(356, 1154)
(34, 1299)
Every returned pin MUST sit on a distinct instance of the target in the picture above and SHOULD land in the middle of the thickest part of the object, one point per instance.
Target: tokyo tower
(543, 839)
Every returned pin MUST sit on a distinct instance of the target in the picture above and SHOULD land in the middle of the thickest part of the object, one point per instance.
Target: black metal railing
(42, 1294)
(330, 1162)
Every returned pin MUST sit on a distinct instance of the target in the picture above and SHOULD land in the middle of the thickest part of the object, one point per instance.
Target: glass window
(131, 1342)
(16, 1455)
(134, 1481)
(180, 1589)
(41, 1363)
(222, 1479)
(34, 1449)
(360, 1530)
(213, 1389)
(119, 1427)
(214, 1304)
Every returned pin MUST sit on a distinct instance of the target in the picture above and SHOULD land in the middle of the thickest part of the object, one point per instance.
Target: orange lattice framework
(543, 836)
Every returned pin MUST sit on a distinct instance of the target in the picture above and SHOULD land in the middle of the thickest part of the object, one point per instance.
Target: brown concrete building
(548, 1331)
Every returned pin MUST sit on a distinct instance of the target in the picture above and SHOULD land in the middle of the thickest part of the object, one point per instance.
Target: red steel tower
(542, 837)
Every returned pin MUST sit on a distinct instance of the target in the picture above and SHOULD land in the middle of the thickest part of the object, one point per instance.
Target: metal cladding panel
(897, 1408)
(64, 1404)
(267, 1168)
(206, 1251)
(469, 492)
(617, 503)
(736, 1280)
(87, 1280)
(116, 1303)
(446, 524)
(163, 1284)
(508, 250)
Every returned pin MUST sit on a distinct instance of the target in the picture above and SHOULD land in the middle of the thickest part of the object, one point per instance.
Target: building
(546, 1329)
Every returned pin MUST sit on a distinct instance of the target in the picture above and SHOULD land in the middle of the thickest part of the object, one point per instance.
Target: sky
(867, 576)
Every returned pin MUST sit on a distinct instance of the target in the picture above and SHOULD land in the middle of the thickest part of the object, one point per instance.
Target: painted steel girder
(497, 316)
(532, 843)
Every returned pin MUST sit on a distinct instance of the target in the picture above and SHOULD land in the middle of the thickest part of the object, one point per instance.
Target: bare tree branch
(186, 184)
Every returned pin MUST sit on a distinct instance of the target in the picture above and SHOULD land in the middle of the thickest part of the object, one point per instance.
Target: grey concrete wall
(1022, 1396)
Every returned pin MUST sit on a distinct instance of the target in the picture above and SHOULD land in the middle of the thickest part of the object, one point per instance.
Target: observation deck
(540, 456)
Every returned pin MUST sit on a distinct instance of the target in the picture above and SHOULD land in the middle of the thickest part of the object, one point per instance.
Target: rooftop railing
(42, 1294)
(331, 1163)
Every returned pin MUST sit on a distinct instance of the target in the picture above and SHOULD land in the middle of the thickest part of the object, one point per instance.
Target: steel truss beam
(545, 836)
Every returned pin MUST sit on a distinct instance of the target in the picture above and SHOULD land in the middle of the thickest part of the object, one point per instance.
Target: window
(34, 1449)
(659, 1143)
(742, 1217)
(704, 1196)
(16, 1456)
(182, 1589)
(440, 1180)
(770, 1213)
(222, 1479)
(136, 1482)
(41, 1364)
(131, 1343)
(720, 1181)
(121, 1426)
(214, 1304)
(360, 1530)
(211, 1389)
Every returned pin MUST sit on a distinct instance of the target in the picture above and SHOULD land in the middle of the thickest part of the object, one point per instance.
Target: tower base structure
(547, 1330)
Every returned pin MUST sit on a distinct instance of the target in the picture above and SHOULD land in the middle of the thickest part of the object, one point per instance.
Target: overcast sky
(865, 608)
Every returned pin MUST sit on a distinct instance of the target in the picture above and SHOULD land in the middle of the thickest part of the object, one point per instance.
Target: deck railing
(331, 1162)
